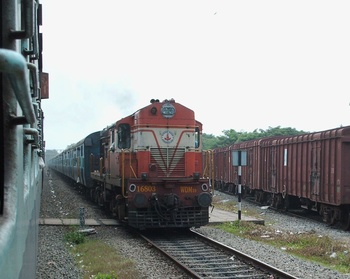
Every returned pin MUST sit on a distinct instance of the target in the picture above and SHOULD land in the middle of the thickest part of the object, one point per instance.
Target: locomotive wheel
(97, 197)
(121, 212)
(113, 206)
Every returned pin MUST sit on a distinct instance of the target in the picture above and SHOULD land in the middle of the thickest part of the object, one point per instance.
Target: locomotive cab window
(124, 136)
(196, 137)
(112, 147)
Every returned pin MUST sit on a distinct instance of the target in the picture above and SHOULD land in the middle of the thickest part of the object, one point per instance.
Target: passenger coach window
(196, 138)
(124, 137)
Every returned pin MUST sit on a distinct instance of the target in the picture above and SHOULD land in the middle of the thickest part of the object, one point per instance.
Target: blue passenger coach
(79, 159)
(23, 85)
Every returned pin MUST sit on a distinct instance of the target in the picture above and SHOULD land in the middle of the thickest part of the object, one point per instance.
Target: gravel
(60, 200)
(277, 257)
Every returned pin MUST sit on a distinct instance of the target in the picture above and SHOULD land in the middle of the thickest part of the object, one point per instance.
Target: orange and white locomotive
(150, 170)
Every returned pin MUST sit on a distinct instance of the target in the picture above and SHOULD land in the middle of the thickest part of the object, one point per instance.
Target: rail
(203, 257)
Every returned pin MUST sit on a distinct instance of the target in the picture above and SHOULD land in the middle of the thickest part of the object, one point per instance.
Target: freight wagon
(309, 170)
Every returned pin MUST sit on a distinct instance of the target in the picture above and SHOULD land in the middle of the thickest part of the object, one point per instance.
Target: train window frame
(112, 141)
(197, 137)
(124, 136)
(285, 157)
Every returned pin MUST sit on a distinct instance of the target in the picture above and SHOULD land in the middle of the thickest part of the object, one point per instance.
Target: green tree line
(231, 136)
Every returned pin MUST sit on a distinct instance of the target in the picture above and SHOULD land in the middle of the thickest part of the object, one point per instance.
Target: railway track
(202, 257)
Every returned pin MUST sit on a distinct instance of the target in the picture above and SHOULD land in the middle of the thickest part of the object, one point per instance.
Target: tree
(231, 136)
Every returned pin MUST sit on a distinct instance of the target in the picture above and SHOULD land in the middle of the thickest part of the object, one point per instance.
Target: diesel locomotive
(310, 170)
(23, 85)
(146, 168)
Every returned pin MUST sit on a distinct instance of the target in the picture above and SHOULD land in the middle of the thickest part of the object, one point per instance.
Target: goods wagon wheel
(345, 220)
(332, 220)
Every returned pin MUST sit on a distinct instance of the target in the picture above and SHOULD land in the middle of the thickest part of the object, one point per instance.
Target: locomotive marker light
(239, 159)
(196, 176)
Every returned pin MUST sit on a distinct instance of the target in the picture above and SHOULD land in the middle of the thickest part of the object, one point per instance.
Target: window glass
(124, 137)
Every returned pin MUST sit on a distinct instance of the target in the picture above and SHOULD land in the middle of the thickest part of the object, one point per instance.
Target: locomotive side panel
(22, 137)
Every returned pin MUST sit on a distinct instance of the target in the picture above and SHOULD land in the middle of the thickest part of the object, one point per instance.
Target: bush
(75, 237)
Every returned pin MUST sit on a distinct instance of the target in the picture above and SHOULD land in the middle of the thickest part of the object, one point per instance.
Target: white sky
(239, 65)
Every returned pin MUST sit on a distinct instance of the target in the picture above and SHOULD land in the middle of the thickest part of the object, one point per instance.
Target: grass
(231, 205)
(310, 246)
(98, 260)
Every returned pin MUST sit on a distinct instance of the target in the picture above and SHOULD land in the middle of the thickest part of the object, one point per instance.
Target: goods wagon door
(273, 170)
(315, 169)
(345, 172)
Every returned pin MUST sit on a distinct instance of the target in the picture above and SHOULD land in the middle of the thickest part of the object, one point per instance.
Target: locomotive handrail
(209, 171)
(132, 169)
(123, 173)
(206, 172)
(29, 27)
(34, 132)
(16, 67)
(34, 70)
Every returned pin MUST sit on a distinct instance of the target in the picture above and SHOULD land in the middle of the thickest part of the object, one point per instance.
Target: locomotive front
(166, 187)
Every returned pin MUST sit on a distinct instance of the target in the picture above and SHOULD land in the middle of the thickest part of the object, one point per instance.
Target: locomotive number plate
(146, 189)
(188, 189)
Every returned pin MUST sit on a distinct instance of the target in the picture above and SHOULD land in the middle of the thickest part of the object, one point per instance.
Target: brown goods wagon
(312, 169)
(285, 169)
(222, 161)
(250, 165)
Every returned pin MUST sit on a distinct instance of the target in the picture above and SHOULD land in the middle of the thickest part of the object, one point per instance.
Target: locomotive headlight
(204, 199)
(140, 201)
(205, 187)
(132, 188)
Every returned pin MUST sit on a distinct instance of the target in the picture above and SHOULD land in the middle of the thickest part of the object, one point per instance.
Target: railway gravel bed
(274, 256)
(60, 200)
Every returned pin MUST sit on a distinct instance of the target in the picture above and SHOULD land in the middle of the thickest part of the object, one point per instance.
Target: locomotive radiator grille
(184, 218)
(170, 161)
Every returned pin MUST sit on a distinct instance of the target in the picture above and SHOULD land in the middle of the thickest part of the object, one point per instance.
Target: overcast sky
(239, 65)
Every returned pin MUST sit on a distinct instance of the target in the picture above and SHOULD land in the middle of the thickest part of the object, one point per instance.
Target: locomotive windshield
(196, 138)
(124, 137)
